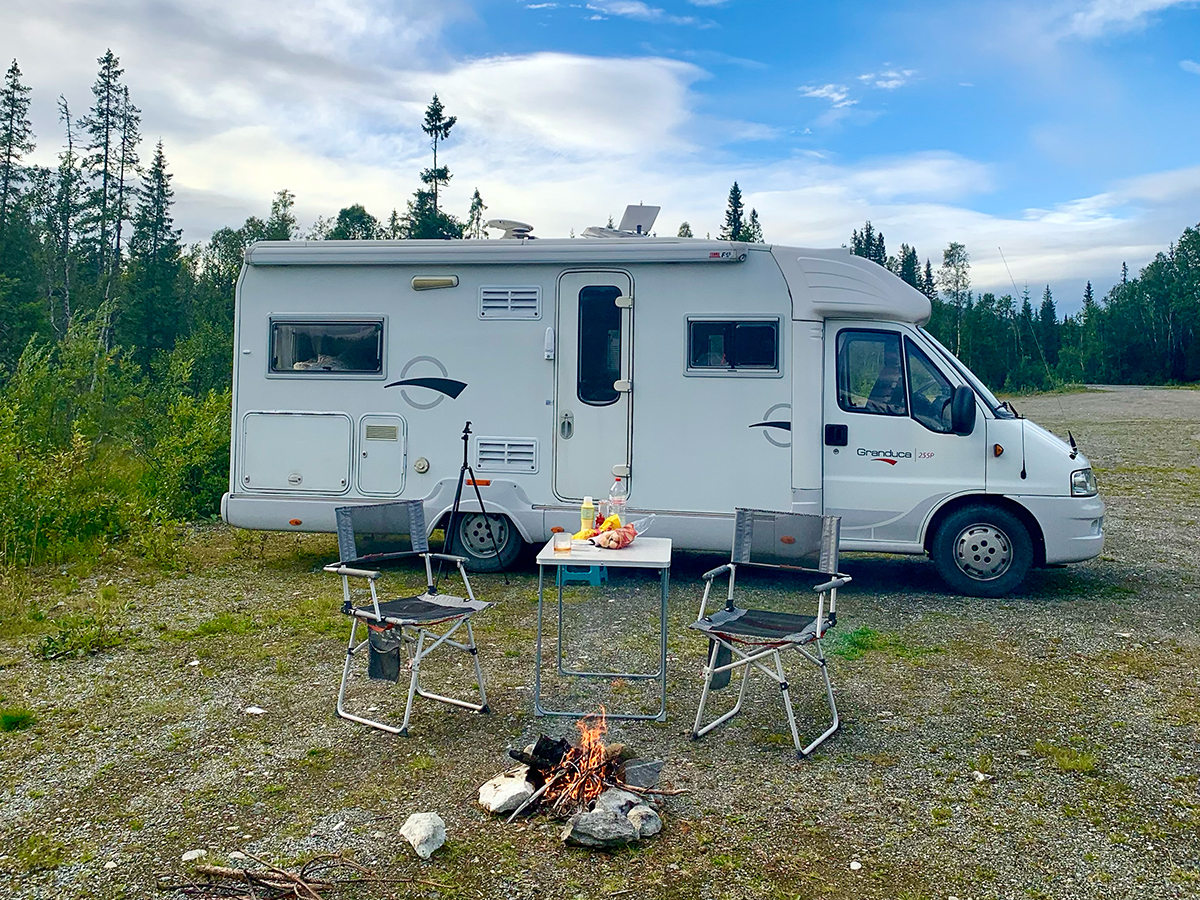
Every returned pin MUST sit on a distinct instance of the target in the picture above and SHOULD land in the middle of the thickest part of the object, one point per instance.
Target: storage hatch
(382, 441)
(300, 452)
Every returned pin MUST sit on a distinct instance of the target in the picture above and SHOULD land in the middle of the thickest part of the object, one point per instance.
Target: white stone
(425, 831)
(254, 710)
(237, 854)
(645, 820)
(855, 866)
(192, 855)
(506, 792)
(110, 865)
(981, 777)
(378, 834)
(340, 825)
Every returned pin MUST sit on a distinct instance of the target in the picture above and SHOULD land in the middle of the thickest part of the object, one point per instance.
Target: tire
(982, 551)
(472, 542)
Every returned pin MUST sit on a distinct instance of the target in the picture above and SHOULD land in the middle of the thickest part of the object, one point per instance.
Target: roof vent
(511, 228)
(637, 222)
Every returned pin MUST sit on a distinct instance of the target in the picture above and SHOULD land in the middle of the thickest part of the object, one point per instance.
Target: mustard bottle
(587, 515)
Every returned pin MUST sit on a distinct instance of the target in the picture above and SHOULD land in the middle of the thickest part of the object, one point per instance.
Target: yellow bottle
(587, 515)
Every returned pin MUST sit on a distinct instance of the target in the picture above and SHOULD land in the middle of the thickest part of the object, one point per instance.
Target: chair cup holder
(383, 653)
(720, 680)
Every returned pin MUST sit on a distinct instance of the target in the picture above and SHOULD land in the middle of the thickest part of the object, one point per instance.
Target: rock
(425, 831)
(645, 820)
(855, 866)
(603, 829)
(619, 801)
(506, 792)
(254, 710)
(110, 865)
(237, 854)
(981, 777)
(1025, 754)
(193, 855)
(642, 773)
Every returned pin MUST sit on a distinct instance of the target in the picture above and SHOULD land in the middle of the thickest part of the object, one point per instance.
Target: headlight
(1083, 483)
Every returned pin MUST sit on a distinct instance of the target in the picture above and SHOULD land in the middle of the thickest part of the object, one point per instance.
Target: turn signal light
(482, 482)
(997, 450)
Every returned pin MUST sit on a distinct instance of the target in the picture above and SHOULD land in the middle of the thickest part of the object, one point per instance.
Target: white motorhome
(713, 374)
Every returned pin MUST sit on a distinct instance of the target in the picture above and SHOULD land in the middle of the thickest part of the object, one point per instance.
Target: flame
(585, 770)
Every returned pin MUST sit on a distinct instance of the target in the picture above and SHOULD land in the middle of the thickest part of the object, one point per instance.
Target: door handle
(837, 435)
(566, 425)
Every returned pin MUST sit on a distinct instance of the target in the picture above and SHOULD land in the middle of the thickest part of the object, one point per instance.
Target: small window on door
(870, 373)
(931, 392)
(327, 348)
(733, 346)
(599, 345)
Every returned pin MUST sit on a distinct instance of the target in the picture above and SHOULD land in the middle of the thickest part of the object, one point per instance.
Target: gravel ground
(1080, 699)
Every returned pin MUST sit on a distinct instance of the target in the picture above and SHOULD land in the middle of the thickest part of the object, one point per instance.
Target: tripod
(447, 541)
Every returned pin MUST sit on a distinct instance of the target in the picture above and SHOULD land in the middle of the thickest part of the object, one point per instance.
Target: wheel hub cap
(983, 552)
(473, 533)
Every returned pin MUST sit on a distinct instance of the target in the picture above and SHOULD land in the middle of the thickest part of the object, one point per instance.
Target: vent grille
(496, 454)
(383, 433)
(510, 302)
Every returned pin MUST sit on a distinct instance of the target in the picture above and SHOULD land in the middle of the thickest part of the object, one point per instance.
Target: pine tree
(437, 125)
(1048, 328)
(753, 232)
(150, 319)
(474, 227)
(909, 266)
(735, 216)
(869, 244)
(928, 282)
(102, 159)
(394, 229)
(127, 165)
(685, 230)
(63, 224)
(16, 140)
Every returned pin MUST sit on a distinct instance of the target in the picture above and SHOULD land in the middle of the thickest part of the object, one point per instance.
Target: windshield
(989, 398)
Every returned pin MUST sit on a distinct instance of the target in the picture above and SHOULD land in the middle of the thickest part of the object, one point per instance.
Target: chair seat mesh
(760, 624)
(421, 609)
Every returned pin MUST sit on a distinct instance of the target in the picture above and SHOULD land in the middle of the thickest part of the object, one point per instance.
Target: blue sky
(1066, 132)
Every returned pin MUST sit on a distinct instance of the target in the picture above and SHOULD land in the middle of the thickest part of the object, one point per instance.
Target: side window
(354, 348)
(869, 373)
(931, 392)
(733, 345)
(599, 344)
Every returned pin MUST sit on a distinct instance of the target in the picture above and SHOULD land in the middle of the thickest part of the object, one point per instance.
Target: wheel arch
(442, 519)
(1024, 515)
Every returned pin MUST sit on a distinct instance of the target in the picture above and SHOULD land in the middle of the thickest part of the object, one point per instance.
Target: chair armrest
(713, 573)
(449, 556)
(339, 569)
(838, 582)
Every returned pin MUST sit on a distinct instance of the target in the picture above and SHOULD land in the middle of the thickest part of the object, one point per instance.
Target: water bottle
(617, 495)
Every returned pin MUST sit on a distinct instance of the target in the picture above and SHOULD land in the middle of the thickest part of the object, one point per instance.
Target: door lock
(837, 435)
(566, 426)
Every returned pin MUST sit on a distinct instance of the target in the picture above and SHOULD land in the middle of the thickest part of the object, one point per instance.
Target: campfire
(607, 796)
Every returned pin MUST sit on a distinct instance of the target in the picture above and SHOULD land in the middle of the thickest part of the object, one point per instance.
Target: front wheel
(982, 551)
(471, 540)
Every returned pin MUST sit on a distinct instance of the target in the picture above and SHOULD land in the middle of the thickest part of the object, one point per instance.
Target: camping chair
(368, 535)
(794, 543)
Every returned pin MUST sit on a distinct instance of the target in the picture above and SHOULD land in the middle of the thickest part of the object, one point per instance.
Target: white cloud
(837, 94)
(1100, 16)
(888, 79)
(1189, 65)
(709, 2)
(636, 9)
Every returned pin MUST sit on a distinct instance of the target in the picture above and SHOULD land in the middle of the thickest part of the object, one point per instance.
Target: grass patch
(86, 633)
(39, 852)
(861, 641)
(16, 718)
(1067, 759)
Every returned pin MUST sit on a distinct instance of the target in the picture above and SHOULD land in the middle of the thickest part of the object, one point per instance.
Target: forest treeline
(116, 337)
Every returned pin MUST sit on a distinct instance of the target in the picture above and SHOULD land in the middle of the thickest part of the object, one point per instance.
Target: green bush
(86, 633)
(189, 465)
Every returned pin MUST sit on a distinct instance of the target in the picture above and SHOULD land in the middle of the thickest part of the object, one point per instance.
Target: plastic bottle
(617, 495)
(587, 515)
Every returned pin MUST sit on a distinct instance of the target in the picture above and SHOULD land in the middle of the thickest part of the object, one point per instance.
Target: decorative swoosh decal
(447, 386)
(890, 462)
(785, 426)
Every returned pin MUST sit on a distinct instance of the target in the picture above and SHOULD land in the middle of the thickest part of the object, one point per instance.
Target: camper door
(592, 382)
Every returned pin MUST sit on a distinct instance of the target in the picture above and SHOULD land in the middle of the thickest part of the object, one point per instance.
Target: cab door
(593, 382)
(890, 456)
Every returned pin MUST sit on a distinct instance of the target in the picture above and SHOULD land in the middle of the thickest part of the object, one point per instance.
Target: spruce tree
(103, 125)
(394, 229)
(130, 119)
(150, 319)
(928, 282)
(685, 230)
(735, 216)
(753, 232)
(16, 140)
(1048, 328)
(437, 125)
(474, 227)
(909, 267)
(282, 224)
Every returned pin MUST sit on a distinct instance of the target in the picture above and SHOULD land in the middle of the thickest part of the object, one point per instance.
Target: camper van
(709, 374)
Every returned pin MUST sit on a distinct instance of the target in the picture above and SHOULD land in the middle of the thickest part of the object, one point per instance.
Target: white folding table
(643, 553)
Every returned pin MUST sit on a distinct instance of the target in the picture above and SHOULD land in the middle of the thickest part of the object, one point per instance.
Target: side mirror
(962, 410)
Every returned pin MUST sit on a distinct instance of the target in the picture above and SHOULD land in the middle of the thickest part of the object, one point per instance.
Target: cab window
(870, 373)
(931, 392)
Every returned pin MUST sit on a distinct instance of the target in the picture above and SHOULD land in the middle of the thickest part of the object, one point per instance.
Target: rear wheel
(982, 551)
(471, 540)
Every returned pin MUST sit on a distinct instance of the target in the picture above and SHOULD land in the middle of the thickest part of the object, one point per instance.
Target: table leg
(662, 660)
(537, 658)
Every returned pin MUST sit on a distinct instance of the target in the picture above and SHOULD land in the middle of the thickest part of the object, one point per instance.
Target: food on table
(616, 539)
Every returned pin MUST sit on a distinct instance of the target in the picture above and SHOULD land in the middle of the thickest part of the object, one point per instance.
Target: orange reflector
(787, 539)
(557, 529)
(482, 482)
(997, 450)
(294, 521)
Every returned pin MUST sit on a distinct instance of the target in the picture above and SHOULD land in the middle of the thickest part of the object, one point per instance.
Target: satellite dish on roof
(639, 219)
(511, 228)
